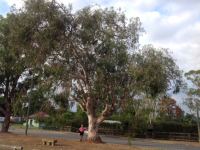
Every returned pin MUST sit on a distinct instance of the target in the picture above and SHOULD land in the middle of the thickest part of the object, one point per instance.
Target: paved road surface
(148, 143)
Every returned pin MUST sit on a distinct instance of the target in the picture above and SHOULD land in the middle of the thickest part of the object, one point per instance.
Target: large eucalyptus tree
(99, 60)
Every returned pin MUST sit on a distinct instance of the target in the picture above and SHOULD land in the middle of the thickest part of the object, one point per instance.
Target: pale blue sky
(4, 7)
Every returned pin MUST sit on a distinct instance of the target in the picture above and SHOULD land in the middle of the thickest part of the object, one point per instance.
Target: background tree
(193, 99)
(134, 116)
(155, 73)
(29, 39)
(12, 66)
(168, 109)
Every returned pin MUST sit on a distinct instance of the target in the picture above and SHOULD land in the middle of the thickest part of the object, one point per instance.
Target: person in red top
(81, 131)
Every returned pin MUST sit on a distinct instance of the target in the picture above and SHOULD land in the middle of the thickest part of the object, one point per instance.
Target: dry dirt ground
(35, 143)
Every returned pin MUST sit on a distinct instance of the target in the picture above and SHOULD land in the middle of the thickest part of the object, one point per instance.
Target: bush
(68, 118)
(172, 126)
(58, 121)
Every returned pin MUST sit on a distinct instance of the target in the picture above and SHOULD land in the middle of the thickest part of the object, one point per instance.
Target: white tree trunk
(93, 121)
(93, 135)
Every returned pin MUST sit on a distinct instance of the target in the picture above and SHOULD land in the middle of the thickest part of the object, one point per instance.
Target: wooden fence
(110, 131)
(172, 136)
(154, 135)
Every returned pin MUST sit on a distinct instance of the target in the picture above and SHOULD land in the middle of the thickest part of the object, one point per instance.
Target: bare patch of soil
(35, 143)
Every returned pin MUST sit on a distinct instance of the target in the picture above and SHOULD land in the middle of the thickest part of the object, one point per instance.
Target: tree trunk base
(94, 139)
(6, 124)
(3, 130)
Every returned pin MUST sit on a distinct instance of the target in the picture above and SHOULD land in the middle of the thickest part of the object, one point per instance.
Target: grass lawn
(35, 143)
(21, 126)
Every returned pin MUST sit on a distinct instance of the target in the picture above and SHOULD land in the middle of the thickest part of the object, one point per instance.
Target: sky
(173, 24)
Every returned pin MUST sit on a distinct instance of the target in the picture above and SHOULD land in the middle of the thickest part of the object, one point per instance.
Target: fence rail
(173, 136)
(154, 135)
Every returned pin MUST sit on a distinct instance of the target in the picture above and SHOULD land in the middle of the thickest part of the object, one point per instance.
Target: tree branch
(81, 103)
(83, 106)
(106, 113)
(14, 85)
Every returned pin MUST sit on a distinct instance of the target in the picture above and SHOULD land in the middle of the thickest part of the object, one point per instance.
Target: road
(147, 143)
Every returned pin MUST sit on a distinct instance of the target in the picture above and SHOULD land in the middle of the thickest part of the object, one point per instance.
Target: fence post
(189, 136)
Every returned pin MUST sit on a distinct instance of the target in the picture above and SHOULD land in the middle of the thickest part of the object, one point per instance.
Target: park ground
(69, 140)
(35, 143)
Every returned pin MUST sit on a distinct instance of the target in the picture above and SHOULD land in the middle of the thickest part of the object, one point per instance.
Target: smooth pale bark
(93, 120)
(93, 135)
